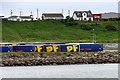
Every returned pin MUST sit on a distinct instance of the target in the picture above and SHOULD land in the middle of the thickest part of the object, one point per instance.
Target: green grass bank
(58, 31)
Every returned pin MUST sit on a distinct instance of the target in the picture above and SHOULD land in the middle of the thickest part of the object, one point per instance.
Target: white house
(52, 16)
(20, 18)
(13, 18)
(83, 15)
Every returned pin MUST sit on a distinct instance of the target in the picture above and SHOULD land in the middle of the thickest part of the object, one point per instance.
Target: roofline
(83, 11)
(95, 14)
(52, 13)
(110, 12)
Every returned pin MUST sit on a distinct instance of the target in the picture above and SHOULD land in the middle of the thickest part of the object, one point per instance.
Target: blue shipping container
(91, 47)
(70, 48)
(39, 48)
(23, 48)
(5, 49)
(52, 48)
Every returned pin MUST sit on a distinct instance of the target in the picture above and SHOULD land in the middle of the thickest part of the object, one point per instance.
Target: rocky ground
(31, 59)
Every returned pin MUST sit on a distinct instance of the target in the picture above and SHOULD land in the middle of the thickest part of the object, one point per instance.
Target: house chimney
(11, 12)
(20, 13)
(62, 11)
(31, 12)
(68, 12)
(31, 16)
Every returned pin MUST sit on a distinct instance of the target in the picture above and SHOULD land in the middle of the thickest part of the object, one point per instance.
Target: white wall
(82, 18)
(20, 19)
(52, 17)
(25, 19)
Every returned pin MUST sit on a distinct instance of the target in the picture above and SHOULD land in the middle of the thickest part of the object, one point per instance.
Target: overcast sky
(26, 6)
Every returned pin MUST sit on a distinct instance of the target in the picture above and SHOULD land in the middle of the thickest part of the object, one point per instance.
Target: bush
(111, 28)
(103, 19)
(71, 23)
(85, 27)
(114, 19)
(69, 19)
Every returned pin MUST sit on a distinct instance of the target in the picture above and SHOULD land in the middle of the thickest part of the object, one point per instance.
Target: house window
(89, 14)
(78, 14)
(85, 19)
(84, 14)
(18, 19)
(90, 19)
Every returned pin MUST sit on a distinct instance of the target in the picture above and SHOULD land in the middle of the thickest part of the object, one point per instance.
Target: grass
(57, 31)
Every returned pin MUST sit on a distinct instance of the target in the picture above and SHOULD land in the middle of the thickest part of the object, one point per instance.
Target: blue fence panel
(23, 48)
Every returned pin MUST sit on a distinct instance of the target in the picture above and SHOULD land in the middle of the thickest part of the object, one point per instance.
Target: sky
(48, 6)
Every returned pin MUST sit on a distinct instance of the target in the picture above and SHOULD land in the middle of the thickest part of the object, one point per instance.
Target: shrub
(103, 19)
(114, 19)
(69, 19)
(111, 28)
(85, 27)
(71, 23)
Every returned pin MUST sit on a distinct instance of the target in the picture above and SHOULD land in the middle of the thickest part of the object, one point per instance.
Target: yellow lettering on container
(69, 48)
(75, 48)
(49, 49)
(14, 44)
(3, 44)
(39, 48)
(55, 47)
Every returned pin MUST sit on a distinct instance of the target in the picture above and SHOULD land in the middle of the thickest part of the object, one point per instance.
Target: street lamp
(93, 35)
(95, 38)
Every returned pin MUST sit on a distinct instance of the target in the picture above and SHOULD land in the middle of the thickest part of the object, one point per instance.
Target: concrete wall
(110, 15)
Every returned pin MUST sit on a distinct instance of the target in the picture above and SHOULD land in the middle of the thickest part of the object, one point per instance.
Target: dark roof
(79, 13)
(52, 14)
(25, 17)
(28, 17)
(13, 17)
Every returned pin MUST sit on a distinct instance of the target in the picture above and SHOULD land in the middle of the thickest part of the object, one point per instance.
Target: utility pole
(68, 12)
(95, 38)
(93, 35)
(20, 13)
(11, 12)
(37, 14)
(31, 12)
(62, 11)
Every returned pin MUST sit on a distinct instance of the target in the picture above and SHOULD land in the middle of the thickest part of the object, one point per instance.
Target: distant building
(3, 18)
(97, 16)
(110, 15)
(52, 16)
(14, 18)
(83, 15)
(21, 18)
